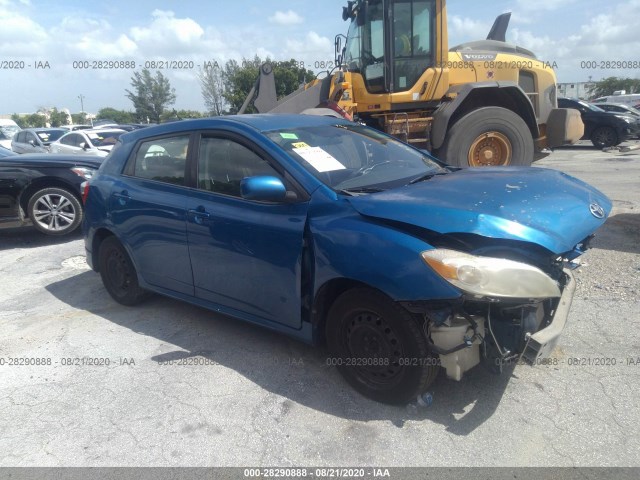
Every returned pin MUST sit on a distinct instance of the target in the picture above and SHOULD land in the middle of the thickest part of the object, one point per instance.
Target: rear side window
(162, 160)
(223, 164)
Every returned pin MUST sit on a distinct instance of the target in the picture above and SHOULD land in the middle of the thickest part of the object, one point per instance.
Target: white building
(575, 90)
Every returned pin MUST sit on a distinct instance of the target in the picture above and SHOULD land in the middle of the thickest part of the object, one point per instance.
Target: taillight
(84, 190)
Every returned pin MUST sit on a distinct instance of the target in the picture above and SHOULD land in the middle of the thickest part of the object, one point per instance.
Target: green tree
(211, 78)
(607, 86)
(35, 120)
(58, 118)
(118, 116)
(79, 118)
(240, 78)
(151, 95)
(21, 121)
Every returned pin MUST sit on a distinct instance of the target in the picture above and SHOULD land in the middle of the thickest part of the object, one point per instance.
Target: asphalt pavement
(87, 382)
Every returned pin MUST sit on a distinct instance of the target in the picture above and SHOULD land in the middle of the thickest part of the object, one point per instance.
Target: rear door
(70, 143)
(148, 208)
(245, 255)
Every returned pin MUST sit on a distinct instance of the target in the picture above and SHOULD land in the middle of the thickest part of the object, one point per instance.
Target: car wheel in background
(118, 274)
(603, 137)
(55, 211)
(379, 347)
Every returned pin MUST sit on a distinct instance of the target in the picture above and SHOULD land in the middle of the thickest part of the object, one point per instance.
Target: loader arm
(312, 95)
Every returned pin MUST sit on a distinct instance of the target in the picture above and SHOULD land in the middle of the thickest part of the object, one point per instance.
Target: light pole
(81, 97)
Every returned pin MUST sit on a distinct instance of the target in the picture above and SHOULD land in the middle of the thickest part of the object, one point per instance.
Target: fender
(469, 96)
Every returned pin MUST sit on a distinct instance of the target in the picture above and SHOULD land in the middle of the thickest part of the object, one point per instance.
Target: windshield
(591, 107)
(48, 136)
(355, 157)
(8, 131)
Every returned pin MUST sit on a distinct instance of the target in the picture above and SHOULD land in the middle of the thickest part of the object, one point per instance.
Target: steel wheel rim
(118, 271)
(369, 338)
(491, 149)
(54, 212)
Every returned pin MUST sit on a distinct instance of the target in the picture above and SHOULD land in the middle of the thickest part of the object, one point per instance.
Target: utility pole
(81, 97)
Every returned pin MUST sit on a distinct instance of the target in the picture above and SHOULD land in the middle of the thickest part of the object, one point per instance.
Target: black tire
(55, 211)
(511, 133)
(365, 328)
(118, 273)
(603, 137)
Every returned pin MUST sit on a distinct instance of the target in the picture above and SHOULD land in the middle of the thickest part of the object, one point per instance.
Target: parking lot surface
(87, 382)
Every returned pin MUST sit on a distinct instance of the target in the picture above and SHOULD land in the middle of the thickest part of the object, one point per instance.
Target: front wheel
(118, 273)
(488, 137)
(603, 137)
(55, 211)
(378, 347)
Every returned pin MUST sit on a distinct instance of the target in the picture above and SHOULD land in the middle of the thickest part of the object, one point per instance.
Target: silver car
(87, 142)
(35, 140)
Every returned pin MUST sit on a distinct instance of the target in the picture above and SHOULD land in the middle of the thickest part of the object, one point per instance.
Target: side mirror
(32, 143)
(265, 189)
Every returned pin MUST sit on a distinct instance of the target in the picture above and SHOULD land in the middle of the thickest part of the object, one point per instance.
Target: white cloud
(312, 49)
(167, 36)
(532, 6)
(465, 30)
(286, 18)
(19, 35)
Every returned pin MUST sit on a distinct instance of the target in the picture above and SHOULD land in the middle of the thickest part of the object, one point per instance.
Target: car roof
(264, 122)
(43, 129)
(98, 130)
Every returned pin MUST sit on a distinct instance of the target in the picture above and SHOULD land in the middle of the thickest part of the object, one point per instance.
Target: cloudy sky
(62, 32)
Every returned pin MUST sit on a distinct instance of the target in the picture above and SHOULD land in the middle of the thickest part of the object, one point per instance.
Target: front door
(245, 255)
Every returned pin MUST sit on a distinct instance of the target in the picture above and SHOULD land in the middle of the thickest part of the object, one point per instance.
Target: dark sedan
(44, 190)
(604, 129)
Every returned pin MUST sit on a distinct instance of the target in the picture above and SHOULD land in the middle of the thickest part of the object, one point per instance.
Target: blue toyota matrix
(330, 231)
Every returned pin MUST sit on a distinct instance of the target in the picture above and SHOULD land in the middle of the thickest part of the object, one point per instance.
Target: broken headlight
(491, 277)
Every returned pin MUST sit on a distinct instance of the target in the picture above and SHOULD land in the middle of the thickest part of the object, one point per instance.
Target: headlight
(491, 277)
(626, 119)
(83, 172)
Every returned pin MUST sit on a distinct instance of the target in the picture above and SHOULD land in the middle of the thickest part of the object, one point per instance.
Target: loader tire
(488, 137)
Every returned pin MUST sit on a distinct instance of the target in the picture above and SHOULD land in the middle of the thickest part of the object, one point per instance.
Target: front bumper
(543, 342)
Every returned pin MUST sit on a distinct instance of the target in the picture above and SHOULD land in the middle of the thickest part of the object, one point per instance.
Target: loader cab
(390, 42)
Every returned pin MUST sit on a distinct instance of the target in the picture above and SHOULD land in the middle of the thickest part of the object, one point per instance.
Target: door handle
(123, 197)
(199, 215)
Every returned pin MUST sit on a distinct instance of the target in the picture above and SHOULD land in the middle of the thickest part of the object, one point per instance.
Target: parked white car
(8, 128)
(87, 142)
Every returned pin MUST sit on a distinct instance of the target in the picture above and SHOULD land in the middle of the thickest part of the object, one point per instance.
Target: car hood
(536, 205)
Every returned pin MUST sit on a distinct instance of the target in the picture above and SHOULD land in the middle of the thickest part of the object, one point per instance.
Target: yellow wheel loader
(483, 103)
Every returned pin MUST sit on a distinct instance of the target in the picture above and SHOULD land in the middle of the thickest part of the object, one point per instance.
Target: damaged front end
(510, 311)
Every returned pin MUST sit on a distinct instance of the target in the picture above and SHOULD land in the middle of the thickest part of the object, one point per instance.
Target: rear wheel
(55, 211)
(603, 137)
(378, 347)
(118, 274)
(488, 137)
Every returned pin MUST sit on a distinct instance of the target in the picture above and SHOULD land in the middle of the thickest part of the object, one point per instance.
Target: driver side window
(224, 163)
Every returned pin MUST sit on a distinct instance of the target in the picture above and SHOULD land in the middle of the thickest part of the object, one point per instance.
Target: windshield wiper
(425, 177)
(358, 190)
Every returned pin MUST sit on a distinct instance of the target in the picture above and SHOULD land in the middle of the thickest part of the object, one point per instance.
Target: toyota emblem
(596, 210)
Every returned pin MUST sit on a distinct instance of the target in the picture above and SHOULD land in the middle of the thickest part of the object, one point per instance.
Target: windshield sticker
(300, 145)
(319, 159)
(289, 136)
